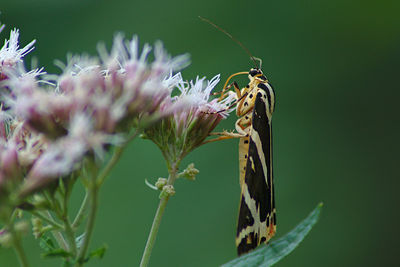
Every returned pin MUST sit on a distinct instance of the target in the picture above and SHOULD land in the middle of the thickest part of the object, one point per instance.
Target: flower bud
(190, 172)
(37, 226)
(161, 182)
(9, 162)
(6, 239)
(167, 191)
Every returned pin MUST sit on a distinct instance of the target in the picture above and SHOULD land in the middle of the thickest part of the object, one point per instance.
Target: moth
(255, 104)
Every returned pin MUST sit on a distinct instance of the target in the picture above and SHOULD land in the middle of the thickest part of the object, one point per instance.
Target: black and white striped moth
(257, 214)
(255, 104)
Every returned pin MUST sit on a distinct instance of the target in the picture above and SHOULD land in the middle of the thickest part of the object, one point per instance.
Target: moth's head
(255, 73)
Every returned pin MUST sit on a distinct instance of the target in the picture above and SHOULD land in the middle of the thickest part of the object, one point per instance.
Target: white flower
(127, 58)
(59, 159)
(171, 81)
(197, 95)
(30, 144)
(81, 129)
(193, 116)
(10, 53)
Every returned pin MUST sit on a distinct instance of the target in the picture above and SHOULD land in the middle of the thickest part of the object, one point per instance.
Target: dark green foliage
(278, 249)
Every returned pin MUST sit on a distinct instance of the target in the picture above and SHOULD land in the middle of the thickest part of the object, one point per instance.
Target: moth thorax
(256, 73)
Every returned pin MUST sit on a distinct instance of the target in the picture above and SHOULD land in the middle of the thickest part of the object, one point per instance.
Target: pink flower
(193, 117)
(10, 53)
(87, 108)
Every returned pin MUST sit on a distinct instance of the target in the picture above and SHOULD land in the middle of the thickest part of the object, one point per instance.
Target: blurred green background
(334, 66)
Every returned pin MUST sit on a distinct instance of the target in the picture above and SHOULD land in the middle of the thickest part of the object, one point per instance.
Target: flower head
(193, 117)
(115, 91)
(91, 105)
(10, 53)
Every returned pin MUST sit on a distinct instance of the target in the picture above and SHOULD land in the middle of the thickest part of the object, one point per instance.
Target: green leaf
(46, 243)
(59, 252)
(278, 249)
(67, 263)
(98, 252)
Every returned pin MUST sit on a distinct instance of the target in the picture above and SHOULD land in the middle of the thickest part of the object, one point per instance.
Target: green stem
(48, 220)
(70, 234)
(115, 157)
(93, 197)
(58, 236)
(16, 241)
(81, 212)
(106, 171)
(157, 218)
(60, 239)
(93, 191)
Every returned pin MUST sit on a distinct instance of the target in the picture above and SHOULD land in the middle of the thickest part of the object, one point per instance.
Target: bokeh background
(335, 69)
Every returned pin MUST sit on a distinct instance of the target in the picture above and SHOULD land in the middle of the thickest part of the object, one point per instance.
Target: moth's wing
(256, 223)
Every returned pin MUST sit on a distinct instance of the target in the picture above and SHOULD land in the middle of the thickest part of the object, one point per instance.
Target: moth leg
(240, 133)
(242, 124)
(223, 136)
(234, 84)
(229, 135)
(237, 91)
(226, 89)
(238, 96)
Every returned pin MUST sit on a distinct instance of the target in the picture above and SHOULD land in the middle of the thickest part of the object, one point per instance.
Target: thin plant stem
(60, 239)
(70, 234)
(157, 218)
(93, 197)
(81, 212)
(58, 236)
(106, 171)
(48, 220)
(63, 214)
(16, 241)
(115, 157)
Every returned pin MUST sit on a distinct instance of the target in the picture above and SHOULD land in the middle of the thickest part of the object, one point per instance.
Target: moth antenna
(259, 60)
(233, 38)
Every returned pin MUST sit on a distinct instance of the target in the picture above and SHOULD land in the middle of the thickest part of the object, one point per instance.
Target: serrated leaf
(272, 253)
(59, 252)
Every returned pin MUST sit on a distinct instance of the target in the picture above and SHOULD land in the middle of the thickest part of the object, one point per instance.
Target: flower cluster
(56, 129)
(10, 54)
(182, 132)
(96, 102)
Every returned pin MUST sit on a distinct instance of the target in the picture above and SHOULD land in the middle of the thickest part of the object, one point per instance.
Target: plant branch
(16, 241)
(111, 163)
(70, 234)
(58, 236)
(157, 218)
(81, 212)
(115, 157)
(93, 197)
(48, 220)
